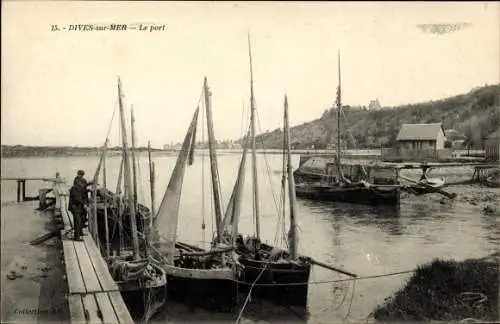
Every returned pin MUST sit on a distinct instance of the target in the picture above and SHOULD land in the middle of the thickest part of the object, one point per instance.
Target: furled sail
(214, 169)
(169, 207)
(232, 215)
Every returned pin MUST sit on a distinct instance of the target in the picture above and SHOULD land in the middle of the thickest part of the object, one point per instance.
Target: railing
(21, 185)
(492, 153)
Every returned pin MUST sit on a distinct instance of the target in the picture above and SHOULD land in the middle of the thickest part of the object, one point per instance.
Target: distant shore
(47, 151)
(19, 151)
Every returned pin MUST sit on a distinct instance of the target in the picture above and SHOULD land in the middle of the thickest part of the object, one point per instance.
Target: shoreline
(447, 290)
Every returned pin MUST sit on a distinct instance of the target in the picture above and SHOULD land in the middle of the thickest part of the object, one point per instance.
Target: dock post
(24, 189)
(18, 190)
(41, 198)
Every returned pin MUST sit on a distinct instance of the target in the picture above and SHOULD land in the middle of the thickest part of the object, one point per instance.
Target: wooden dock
(481, 173)
(21, 185)
(93, 295)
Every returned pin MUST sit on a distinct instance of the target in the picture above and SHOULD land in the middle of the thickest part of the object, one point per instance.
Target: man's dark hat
(80, 172)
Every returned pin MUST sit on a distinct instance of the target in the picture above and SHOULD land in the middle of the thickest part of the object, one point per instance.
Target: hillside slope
(475, 113)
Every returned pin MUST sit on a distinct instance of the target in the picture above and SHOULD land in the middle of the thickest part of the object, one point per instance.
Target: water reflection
(255, 310)
(275, 313)
(385, 218)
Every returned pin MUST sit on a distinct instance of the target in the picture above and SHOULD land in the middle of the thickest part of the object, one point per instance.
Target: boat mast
(105, 187)
(292, 234)
(120, 205)
(213, 160)
(120, 176)
(93, 219)
(339, 107)
(152, 190)
(284, 172)
(134, 162)
(126, 168)
(254, 157)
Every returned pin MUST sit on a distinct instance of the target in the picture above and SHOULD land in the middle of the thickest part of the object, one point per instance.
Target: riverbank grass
(447, 290)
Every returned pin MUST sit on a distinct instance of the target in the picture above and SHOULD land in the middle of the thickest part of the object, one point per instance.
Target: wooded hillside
(475, 113)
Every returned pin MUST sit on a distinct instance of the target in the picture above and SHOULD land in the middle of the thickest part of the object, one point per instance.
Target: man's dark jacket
(77, 199)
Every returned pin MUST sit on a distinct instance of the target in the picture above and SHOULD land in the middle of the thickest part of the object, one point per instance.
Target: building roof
(419, 132)
(454, 135)
(495, 134)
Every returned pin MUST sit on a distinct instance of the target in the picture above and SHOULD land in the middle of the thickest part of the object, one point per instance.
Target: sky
(60, 87)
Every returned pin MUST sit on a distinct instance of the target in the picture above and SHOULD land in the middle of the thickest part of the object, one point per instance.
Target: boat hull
(214, 290)
(493, 179)
(492, 182)
(283, 283)
(137, 297)
(276, 279)
(425, 186)
(201, 280)
(374, 195)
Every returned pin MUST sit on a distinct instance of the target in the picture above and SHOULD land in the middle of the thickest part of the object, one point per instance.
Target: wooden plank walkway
(93, 296)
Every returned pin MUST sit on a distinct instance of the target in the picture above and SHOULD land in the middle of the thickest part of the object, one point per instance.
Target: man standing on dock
(78, 199)
(82, 182)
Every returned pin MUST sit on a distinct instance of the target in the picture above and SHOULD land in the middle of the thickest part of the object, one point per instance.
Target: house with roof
(419, 142)
(492, 145)
(421, 137)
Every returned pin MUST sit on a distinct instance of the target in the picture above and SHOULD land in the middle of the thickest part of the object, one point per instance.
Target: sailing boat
(266, 269)
(333, 183)
(195, 276)
(269, 266)
(142, 282)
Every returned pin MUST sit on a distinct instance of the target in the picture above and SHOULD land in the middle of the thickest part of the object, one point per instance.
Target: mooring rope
(111, 121)
(250, 293)
(350, 302)
(279, 212)
(330, 281)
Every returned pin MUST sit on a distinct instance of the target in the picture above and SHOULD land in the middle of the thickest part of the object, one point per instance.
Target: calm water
(361, 239)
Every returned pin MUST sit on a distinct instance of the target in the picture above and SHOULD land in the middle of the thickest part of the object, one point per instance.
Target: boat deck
(93, 294)
(330, 159)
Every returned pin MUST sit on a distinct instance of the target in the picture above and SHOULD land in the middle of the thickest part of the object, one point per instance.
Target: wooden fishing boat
(357, 193)
(433, 182)
(273, 273)
(493, 180)
(331, 183)
(276, 275)
(269, 272)
(425, 186)
(195, 276)
(119, 225)
(142, 297)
